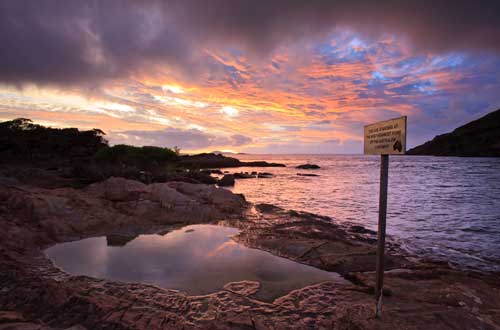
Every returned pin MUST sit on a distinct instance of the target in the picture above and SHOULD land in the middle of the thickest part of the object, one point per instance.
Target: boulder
(307, 174)
(117, 189)
(308, 167)
(226, 201)
(221, 199)
(169, 197)
(203, 177)
(227, 180)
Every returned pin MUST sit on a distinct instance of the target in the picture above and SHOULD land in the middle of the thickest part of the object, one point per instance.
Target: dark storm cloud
(87, 41)
(79, 41)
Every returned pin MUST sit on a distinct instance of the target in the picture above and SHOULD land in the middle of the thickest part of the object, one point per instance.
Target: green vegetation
(142, 157)
(83, 154)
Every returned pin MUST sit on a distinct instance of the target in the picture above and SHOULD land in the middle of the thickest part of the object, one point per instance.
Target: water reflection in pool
(197, 259)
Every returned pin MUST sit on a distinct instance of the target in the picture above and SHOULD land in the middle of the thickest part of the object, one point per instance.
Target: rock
(361, 230)
(267, 208)
(170, 198)
(264, 175)
(262, 164)
(221, 199)
(119, 240)
(210, 160)
(11, 316)
(117, 189)
(227, 180)
(34, 294)
(308, 167)
(202, 177)
(244, 175)
(307, 174)
(64, 213)
(227, 201)
(314, 240)
(212, 171)
(76, 327)
(244, 288)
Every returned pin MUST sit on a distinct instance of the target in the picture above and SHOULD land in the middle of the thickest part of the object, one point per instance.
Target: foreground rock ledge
(36, 295)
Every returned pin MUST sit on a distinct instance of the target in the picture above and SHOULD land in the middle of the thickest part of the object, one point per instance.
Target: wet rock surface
(37, 295)
(315, 240)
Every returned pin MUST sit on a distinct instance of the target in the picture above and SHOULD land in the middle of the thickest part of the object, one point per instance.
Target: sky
(269, 76)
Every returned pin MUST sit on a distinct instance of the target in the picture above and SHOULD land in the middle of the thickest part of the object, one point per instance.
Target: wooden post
(382, 213)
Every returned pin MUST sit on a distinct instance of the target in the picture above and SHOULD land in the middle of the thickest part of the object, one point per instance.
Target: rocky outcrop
(60, 214)
(308, 167)
(35, 294)
(315, 240)
(220, 161)
(307, 174)
(479, 138)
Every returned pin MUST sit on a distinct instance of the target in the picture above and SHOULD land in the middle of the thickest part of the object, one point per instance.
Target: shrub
(146, 157)
(22, 139)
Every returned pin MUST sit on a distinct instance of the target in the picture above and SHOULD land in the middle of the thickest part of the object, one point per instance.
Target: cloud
(229, 111)
(85, 42)
(74, 42)
(309, 91)
(332, 146)
(186, 139)
(240, 140)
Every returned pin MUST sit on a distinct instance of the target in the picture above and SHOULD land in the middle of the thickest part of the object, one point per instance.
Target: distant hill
(479, 138)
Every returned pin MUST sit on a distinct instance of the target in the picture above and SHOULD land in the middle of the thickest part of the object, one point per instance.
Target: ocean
(443, 207)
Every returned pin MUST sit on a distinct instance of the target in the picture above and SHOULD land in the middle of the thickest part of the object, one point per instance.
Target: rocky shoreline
(208, 160)
(419, 294)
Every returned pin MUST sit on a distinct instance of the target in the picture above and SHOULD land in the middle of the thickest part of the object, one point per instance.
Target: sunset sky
(249, 76)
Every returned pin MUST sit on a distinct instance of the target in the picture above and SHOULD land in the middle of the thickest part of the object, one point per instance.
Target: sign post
(384, 138)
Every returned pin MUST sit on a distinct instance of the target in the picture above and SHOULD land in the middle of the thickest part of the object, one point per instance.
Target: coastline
(419, 293)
